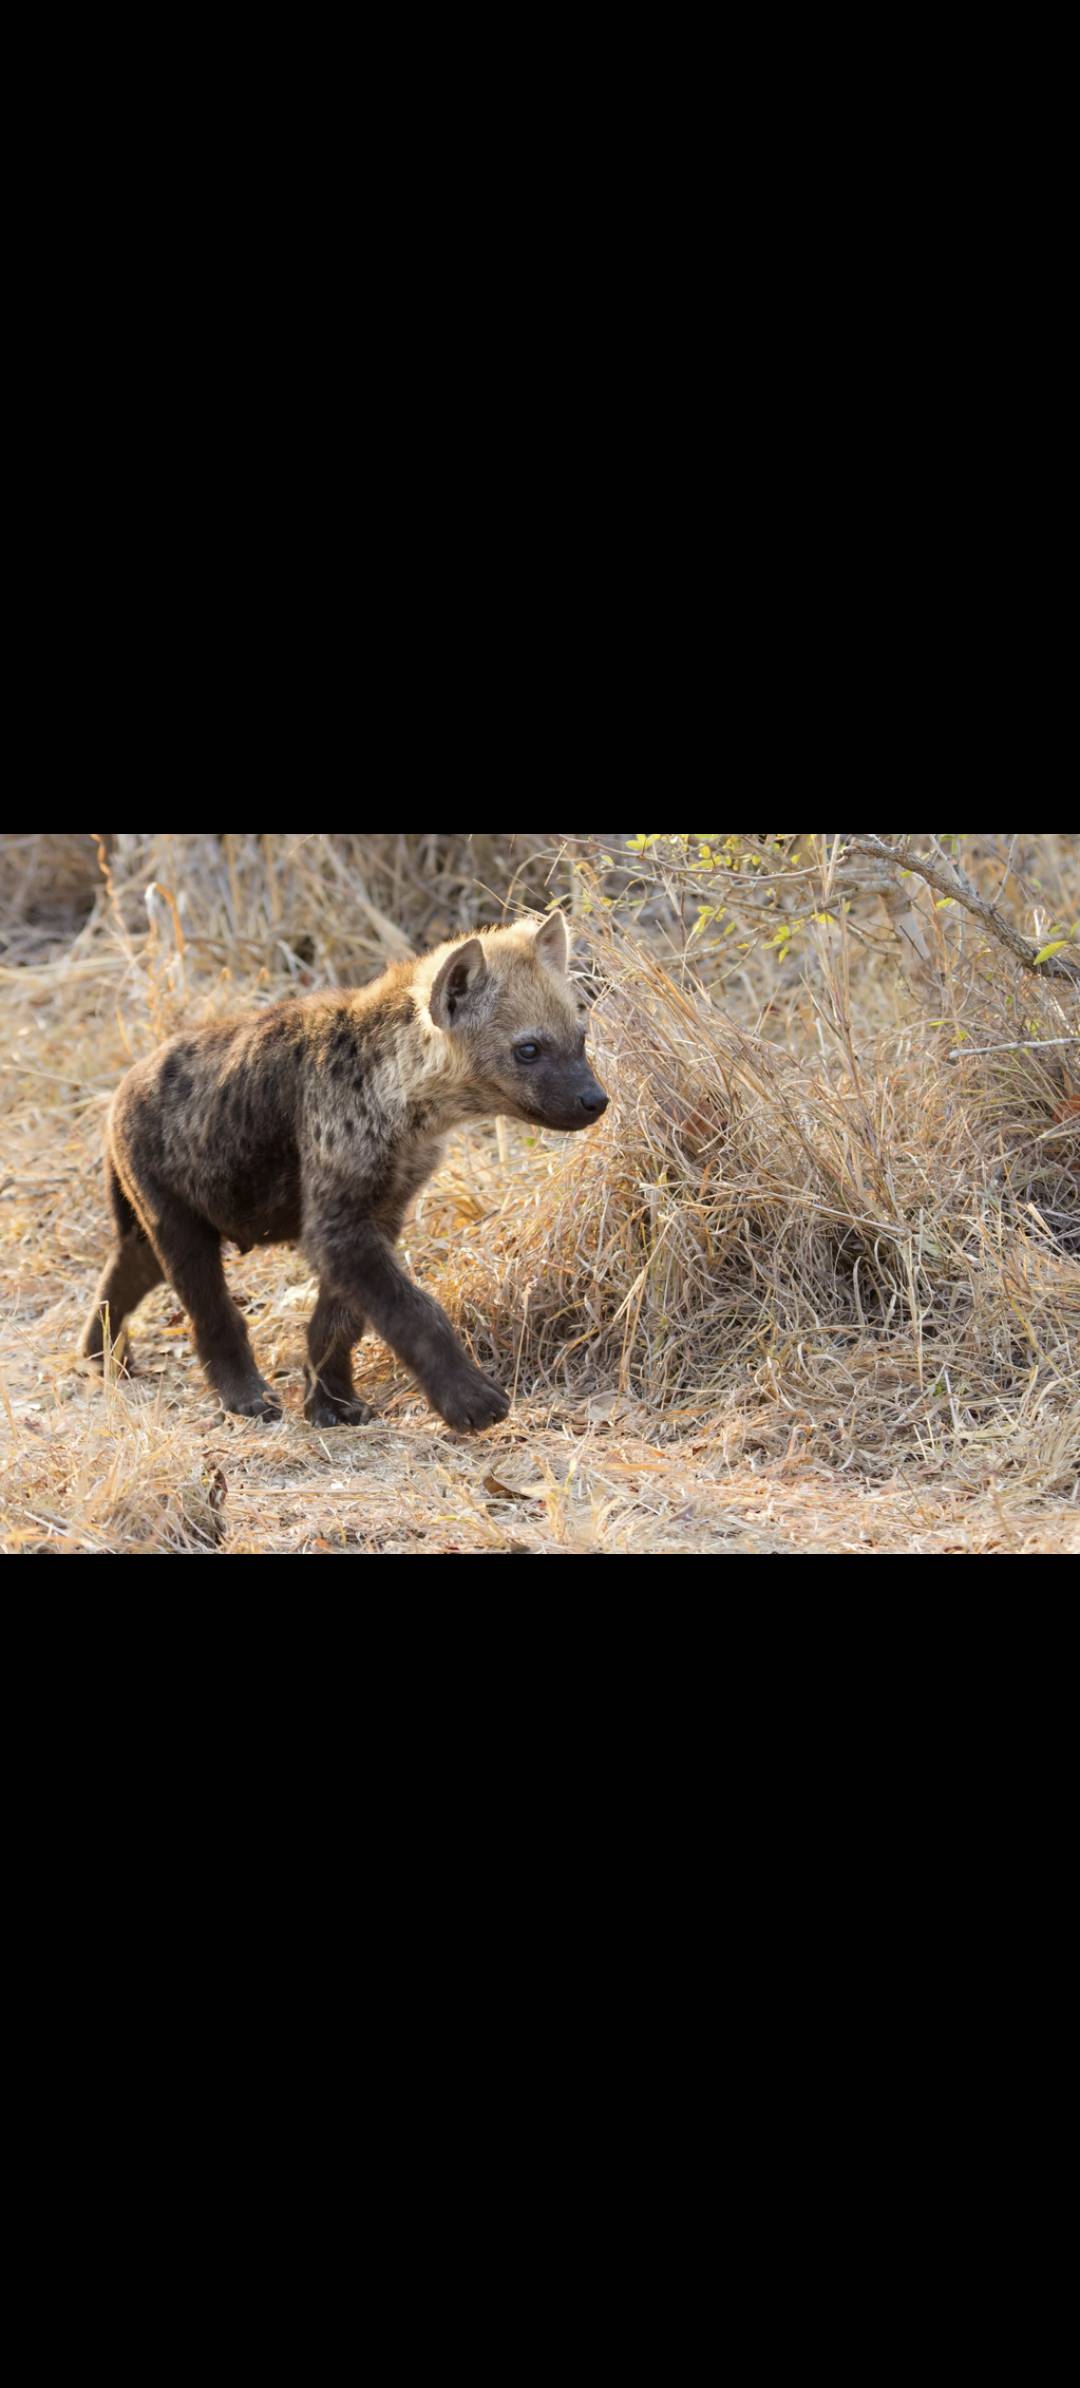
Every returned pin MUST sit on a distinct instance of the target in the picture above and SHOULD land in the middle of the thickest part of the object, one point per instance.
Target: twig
(1030, 1044)
(950, 880)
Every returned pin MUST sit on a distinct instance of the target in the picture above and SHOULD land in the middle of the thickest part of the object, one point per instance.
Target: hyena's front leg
(334, 1331)
(358, 1262)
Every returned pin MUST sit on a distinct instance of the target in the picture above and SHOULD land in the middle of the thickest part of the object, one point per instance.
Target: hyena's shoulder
(363, 1060)
(370, 1034)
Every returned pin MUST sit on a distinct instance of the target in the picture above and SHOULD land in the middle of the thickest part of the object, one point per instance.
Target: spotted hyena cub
(316, 1123)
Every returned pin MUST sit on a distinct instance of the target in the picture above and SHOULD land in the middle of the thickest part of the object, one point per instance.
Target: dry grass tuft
(868, 1258)
(813, 1285)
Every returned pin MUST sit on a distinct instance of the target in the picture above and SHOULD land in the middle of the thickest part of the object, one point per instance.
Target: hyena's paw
(320, 1409)
(470, 1402)
(91, 1343)
(91, 1355)
(251, 1401)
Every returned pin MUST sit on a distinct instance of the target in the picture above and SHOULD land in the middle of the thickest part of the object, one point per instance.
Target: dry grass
(811, 1287)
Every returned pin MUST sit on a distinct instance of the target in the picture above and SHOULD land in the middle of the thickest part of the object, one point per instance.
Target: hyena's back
(214, 1119)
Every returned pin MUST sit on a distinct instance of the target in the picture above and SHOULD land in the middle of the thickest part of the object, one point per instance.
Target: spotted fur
(316, 1123)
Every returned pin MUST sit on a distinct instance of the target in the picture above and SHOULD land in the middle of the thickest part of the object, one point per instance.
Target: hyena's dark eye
(527, 1052)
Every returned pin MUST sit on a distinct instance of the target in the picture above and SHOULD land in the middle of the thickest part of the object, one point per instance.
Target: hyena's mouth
(556, 1127)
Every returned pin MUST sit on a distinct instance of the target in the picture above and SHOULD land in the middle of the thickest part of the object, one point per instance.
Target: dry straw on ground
(812, 1286)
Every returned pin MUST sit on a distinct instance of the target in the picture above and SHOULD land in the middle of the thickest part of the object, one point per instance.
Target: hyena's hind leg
(191, 1253)
(131, 1271)
(331, 1398)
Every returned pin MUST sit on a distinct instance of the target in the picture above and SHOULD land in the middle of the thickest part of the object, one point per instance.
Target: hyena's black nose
(596, 1103)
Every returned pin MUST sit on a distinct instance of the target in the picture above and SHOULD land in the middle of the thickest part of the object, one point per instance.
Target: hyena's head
(517, 1026)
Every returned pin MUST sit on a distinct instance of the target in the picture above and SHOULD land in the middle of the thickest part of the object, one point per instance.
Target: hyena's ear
(458, 984)
(553, 944)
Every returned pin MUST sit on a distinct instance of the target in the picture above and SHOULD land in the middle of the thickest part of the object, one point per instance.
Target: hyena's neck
(438, 1084)
(423, 1083)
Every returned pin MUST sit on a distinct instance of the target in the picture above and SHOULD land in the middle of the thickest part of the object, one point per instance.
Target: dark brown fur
(317, 1122)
